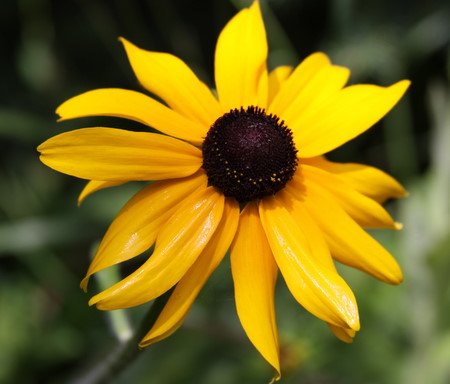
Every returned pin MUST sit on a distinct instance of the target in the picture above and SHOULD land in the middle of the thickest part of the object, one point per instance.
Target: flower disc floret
(249, 154)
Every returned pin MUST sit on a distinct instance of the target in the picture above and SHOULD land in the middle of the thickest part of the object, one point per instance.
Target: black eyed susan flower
(242, 171)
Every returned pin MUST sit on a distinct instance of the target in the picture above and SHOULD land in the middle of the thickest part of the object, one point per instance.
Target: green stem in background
(126, 353)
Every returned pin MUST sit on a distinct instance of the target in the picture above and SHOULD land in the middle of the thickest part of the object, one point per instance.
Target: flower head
(243, 171)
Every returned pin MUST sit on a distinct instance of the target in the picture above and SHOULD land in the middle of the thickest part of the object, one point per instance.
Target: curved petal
(323, 85)
(318, 244)
(187, 289)
(369, 181)
(178, 244)
(254, 275)
(344, 334)
(133, 106)
(276, 78)
(297, 81)
(348, 242)
(314, 285)
(346, 115)
(96, 185)
(169, 78)
(136, 226)
(305, 223)
(365, 211)
(240, 61)
(110, 154)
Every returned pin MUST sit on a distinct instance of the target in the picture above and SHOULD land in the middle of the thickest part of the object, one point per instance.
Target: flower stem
(126, 352)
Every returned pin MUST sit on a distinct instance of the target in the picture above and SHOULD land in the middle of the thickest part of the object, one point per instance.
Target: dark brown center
(248, 154)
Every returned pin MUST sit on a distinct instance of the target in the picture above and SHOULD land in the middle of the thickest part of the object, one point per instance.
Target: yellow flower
(242, 171)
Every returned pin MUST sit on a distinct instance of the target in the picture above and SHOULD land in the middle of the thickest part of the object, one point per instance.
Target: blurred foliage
(52, 50)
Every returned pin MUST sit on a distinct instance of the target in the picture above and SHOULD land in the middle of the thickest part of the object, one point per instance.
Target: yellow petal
(134, 106)
(313, 284)
(276, 78)
(254, 275)
(367, 180)
(94, 186)
(173, 81)
(344, 334)
(240, 61)
(187, 289)
(346, 115)
(365, 211)
(306, 225)
(348, 242)
(297, 81)
(178, 244)
(323, 85)
(134, 229)
(117, 155)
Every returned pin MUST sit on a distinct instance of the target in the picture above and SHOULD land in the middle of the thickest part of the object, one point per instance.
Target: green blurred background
(52, 50)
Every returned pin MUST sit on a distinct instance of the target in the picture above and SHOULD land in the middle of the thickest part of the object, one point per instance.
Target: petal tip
(395, 277)
(397, 280)
(126, 43)
(404, 193)
(95, 301)
(402, 86)
(144, 343)
(398, 226)
(84, 284)
(354, 324)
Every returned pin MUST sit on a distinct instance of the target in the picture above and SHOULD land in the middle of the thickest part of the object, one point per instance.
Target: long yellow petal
(110, 154)
(346, 115)
(276, 78)
(365, 211)
(306, 225)
(313, 284)
(318, 245)
(322, 86)
(348, 242)
(134, 106)
(178, 244)
(96, 185)
(297, 81)
(134, 229)
(187, 289)
(169, 78)
(254, 275)
(369, 181)
(240, 61)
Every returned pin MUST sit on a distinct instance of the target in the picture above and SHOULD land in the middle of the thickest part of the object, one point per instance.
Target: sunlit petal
(254, 275)
(367, 180)
(313, 284)
(348, 242)
(187, 289)
(240, 61)
(169, 78)
(136, 226)
(349, 113)
(323, 85)
(134, 106)
(276, 78)
(117, 155)
(297, 81)
(365, 211)
(178, 244)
